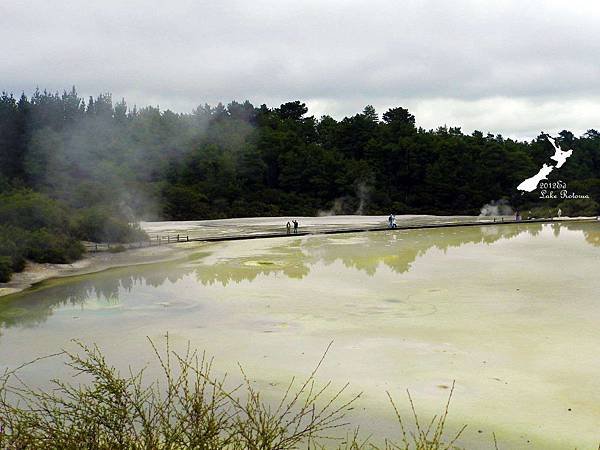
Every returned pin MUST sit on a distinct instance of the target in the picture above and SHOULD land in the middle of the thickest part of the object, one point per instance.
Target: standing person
(295, 226)
(288, 227)
(390, 220)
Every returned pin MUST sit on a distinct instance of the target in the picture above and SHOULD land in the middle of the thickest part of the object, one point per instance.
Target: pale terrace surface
(510, 312)
(248, 226)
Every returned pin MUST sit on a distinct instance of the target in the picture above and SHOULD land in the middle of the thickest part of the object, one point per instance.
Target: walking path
(316, 230)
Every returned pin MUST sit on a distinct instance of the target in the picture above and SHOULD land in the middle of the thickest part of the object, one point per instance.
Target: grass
(187, 407)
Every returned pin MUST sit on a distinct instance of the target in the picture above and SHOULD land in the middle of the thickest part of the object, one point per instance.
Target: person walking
(288, 227)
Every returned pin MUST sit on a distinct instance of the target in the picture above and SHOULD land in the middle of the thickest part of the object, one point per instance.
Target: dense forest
(74, 169)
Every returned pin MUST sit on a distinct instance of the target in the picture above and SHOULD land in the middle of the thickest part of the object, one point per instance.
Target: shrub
(44, 246)
(579, 207)
(6, 268)
(31, 211)
(187, 407)
(12, 243)
(191, 409)
(37, 227)
(100, 225)
(542, 212)
(118, 230)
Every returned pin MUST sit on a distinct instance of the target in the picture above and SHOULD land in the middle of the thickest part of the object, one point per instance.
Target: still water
(511, 312)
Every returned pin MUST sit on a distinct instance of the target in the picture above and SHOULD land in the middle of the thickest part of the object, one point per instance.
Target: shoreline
(35, 273)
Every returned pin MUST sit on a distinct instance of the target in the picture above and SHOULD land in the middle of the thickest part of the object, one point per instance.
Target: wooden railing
(152, 241)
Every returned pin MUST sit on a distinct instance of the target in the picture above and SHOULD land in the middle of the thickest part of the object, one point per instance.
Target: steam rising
(347, 204)
(336, 209)
(362, 192)
(497, 208)
(108, 155)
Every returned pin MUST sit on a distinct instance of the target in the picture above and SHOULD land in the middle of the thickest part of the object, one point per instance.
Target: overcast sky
(510, 67)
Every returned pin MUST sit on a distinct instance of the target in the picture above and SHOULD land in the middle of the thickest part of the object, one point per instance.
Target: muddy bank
(93, 262)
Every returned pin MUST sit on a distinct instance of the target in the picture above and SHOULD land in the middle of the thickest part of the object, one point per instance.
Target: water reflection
(366, 252)
(34, 306)
(591, 232)
(290, 258)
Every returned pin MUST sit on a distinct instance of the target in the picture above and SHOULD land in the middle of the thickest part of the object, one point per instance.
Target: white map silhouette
(530, 184)
(559, 156)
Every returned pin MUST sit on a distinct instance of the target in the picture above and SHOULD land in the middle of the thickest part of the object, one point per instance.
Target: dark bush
(541, 212)
(100, 225)
(6, 268)
(12, 242)
(44, 246)
(34, 226)
(31, 211)
(579, 207)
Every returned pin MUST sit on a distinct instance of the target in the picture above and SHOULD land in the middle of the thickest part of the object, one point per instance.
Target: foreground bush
(187, 408)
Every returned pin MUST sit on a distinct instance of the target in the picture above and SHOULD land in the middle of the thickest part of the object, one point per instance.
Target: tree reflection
(399, 250)
(287, 258)
(35, 305)
(291, 258)
(591, 232)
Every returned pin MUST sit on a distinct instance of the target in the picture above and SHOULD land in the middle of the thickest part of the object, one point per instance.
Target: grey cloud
(329, 53)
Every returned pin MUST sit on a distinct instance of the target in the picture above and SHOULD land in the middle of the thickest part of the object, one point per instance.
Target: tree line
(104, 165)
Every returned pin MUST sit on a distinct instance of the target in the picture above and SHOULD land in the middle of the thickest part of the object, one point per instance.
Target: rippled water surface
(511, 312)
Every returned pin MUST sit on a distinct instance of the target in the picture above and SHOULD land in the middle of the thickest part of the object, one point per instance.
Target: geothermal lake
(511, 312)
